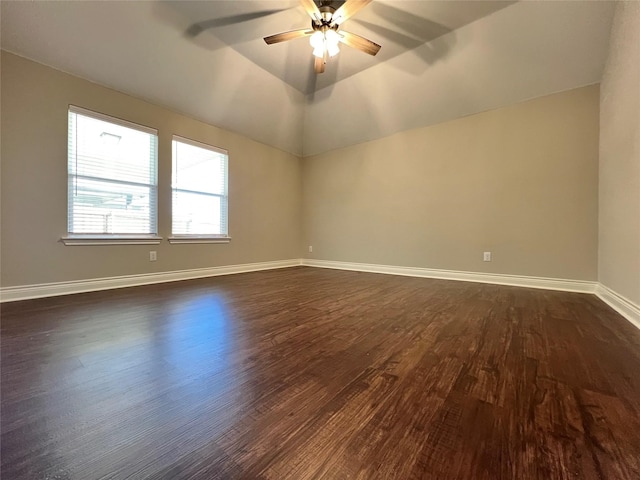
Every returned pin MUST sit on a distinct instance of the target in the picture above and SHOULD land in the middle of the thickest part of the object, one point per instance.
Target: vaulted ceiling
(440, 60)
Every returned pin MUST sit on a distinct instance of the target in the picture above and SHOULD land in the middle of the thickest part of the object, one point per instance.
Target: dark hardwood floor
(306, 373)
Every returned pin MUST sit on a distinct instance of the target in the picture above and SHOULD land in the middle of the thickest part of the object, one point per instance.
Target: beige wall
(520, 182)
(264, 185)
(619, 235)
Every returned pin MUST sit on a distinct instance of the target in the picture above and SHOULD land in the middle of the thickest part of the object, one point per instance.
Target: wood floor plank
(306, 373)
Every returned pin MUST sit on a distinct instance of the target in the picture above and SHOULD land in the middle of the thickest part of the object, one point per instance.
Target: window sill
(111, 240)
(198, 239)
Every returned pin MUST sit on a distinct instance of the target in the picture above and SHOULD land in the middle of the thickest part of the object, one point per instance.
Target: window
(200, 198)
(112, 175)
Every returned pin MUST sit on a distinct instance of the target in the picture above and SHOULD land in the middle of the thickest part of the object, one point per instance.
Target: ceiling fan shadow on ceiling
(197, 28)
(325, 33)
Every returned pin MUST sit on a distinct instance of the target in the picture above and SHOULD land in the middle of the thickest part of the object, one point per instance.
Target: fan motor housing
(326, 11)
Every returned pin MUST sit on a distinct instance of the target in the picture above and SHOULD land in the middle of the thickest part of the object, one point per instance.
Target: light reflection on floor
(198, 336)
(197, 341)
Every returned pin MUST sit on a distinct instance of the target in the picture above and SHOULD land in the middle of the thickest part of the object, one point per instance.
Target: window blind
(199, 187)
(112, 175)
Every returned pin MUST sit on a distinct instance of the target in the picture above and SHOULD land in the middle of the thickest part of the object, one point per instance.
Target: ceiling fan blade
(312, 9)
(285, 36)
(318, 65)
(359, 43)
(347, 10)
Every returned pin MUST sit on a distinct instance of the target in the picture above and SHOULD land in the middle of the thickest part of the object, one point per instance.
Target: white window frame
(108, 238)
(199, 238)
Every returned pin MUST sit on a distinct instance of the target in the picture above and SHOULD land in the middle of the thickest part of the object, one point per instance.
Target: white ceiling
(439, 60)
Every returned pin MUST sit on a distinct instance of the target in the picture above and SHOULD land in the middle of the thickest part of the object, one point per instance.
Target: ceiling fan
(325, 33)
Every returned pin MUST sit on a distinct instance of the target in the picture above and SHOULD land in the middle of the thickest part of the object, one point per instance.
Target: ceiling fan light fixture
(317, 40)
(325, 40)
(332, 49)
(332, 39)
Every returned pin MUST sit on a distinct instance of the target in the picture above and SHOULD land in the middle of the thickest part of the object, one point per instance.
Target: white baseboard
(620, 304)
(12, 294)
(580, 286)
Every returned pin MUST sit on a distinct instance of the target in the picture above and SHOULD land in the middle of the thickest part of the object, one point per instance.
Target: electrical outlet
(487, 256)
(310, 249)
(153, 256)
